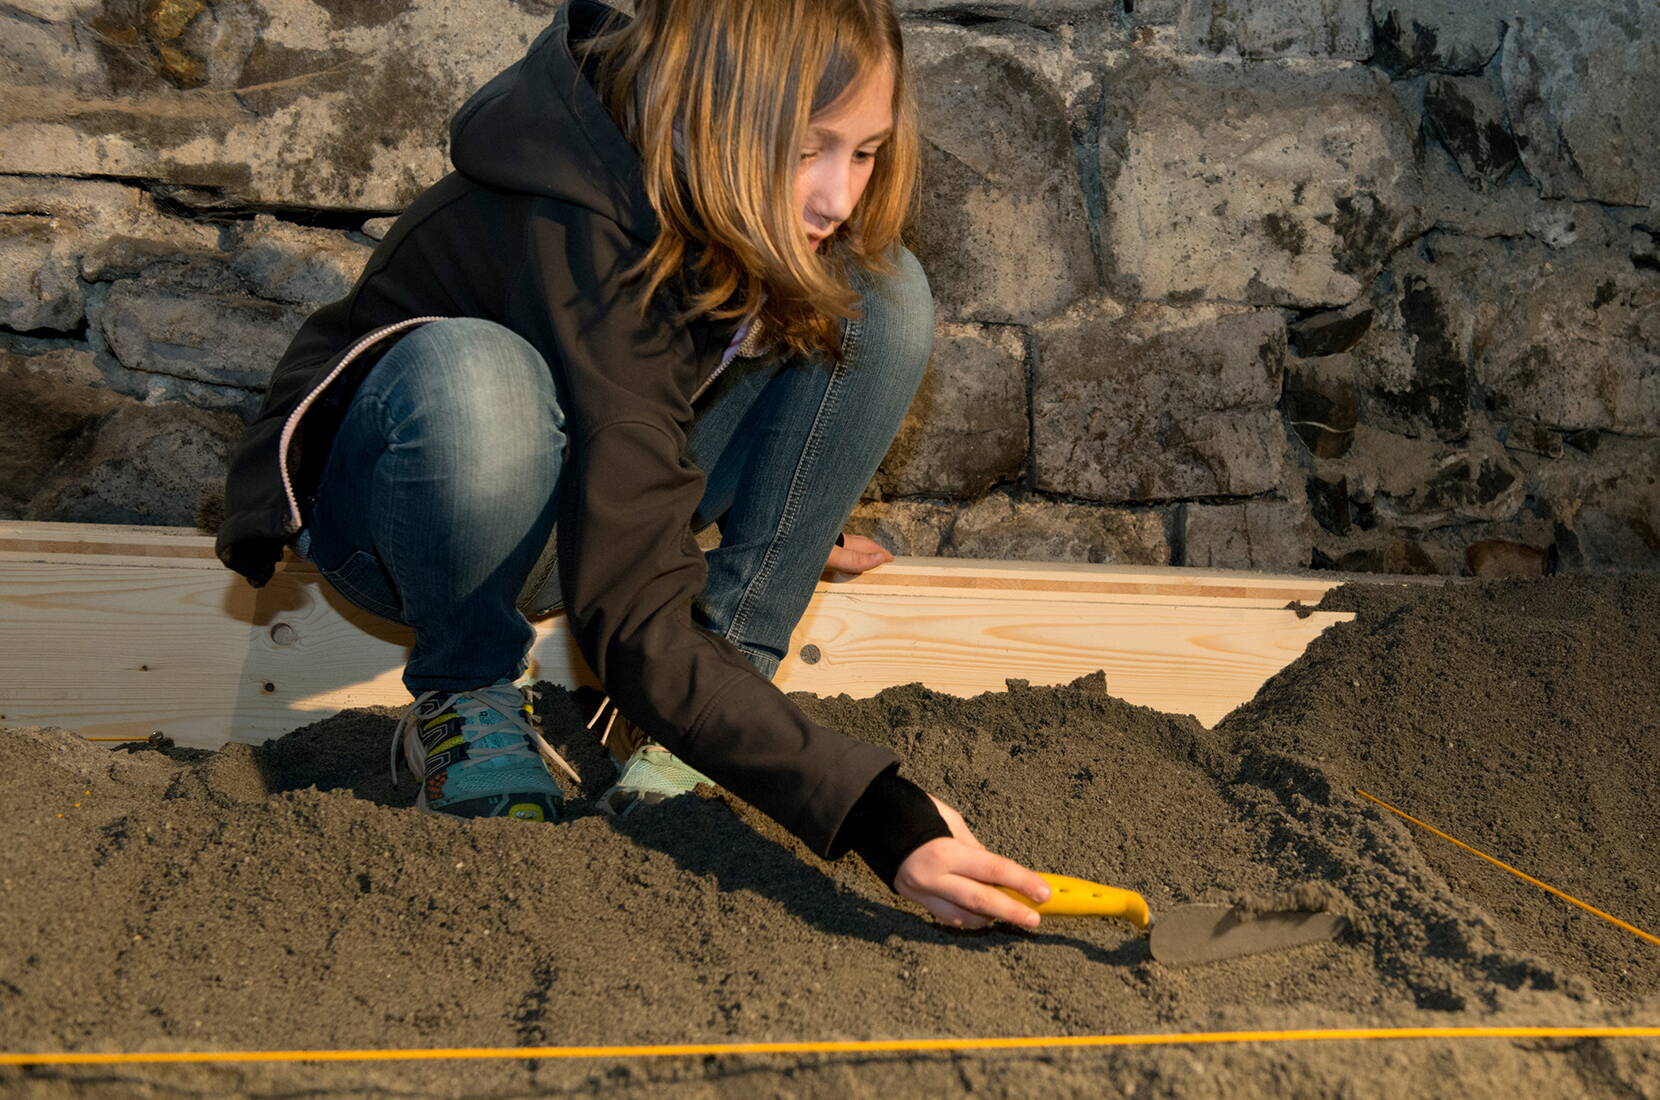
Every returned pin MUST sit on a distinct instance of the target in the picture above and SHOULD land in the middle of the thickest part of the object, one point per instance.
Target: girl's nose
(833, 195)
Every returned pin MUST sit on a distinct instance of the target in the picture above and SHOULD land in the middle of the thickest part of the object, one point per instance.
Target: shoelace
(504, 699)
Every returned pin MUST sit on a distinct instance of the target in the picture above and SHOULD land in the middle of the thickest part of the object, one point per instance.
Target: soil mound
(284, 897)
(1522, 718)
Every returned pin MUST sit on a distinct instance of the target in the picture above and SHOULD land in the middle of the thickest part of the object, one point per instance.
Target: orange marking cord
(1519, 874)
(850, 1046)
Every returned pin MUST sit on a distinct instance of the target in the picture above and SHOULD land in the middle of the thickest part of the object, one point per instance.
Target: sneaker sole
(520, 807)
(620, 803)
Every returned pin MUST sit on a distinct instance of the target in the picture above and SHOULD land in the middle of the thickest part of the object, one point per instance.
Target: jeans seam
(792, 500)
(352, 592)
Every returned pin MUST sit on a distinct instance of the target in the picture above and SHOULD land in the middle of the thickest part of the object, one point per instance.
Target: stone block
(287, 102)
(1569, 338)
(1154, 12)
(68, 362)
(1041, 13)
(1328, 503)
(1452, 205)
(1321, 403)
(147, 464)
(905, 527)
(1398, 486)
(39, 45)
(1271, 184)
(1413, 364)
(1495, 559)
(40, 286)
(1330, 332)
(103, 230)
(1444, 36)
(1404, 557)
(1381, 463)
(47, 402)
(1531, 437)
(193, 322)
(1475, 482)
(1253, 534)
(1606, 506)
(1470, 486)
(968, 427)
(1573, 77)
(1000, 526)
(1466, 115)
(1155, 402)
(1643, 246)
(1339, 29)
(298, 264)
(1002, 229)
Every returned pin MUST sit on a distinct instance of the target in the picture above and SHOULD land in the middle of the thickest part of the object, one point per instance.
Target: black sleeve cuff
(892, 819)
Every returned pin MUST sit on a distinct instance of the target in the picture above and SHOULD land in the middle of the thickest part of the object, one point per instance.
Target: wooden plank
(1196, 658)
(114, 650)
(25, 540)
(52, 541)
(116, 632)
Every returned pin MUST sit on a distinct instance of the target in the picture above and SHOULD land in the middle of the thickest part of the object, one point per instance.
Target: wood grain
(120, 631)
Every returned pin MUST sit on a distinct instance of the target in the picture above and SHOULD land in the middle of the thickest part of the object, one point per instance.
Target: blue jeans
(438, 496)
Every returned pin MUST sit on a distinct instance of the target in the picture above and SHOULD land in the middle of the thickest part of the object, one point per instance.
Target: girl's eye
(809, 154)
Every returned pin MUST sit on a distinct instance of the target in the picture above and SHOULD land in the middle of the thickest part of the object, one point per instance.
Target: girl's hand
(857, 555)
(953, 878)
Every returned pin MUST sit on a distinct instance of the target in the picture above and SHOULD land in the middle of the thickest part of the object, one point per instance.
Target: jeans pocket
(363, 580)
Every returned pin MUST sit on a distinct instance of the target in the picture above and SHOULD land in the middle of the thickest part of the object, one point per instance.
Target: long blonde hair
(739, 81)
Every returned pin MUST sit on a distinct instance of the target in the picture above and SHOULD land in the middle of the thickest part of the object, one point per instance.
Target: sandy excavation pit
(283, 898)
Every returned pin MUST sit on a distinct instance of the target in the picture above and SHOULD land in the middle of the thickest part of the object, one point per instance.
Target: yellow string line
(849, 1046)
(1519, 874)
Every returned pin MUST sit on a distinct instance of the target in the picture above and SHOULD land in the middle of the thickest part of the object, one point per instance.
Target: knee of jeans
(472, 372)
(899, 308)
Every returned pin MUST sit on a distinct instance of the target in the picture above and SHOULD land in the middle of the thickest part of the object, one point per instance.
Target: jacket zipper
(707, 382)
(293, 420)
(730, 354)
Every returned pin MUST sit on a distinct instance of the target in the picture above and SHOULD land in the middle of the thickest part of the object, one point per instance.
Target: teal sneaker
(651, 775)
(477, 754)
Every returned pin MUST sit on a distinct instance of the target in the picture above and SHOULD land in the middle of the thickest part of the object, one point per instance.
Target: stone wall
(1246, 283)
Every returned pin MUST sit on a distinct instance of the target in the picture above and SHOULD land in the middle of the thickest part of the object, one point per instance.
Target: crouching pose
(662, 289)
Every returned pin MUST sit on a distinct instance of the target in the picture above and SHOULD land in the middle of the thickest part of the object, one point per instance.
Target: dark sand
(282, 897)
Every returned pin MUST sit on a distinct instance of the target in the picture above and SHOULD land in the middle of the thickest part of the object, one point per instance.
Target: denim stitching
(792, 499)
(355, 594)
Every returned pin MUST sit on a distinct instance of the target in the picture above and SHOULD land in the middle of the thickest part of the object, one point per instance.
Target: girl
(662, 289)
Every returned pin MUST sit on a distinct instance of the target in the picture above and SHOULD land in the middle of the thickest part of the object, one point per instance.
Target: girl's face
(839, 154)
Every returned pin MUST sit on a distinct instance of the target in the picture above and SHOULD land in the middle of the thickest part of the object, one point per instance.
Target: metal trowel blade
(1192, 934)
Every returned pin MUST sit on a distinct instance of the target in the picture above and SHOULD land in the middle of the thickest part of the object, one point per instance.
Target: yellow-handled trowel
(1188, 934)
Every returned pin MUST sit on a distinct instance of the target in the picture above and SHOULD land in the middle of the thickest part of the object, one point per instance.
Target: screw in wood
(810, 654)
(283, 634)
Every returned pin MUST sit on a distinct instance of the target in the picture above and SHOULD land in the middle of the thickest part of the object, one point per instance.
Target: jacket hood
(539, 127)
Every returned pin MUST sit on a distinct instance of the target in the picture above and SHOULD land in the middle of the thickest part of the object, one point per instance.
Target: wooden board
(119, 631)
